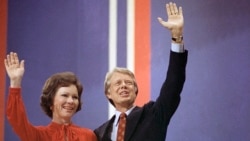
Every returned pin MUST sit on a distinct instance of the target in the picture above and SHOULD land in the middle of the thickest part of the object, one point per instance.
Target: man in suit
(150, 122)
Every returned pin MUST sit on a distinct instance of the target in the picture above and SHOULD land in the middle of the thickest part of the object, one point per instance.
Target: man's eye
(129, 82)
(117, 83)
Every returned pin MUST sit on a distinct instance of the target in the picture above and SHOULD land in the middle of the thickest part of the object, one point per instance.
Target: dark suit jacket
(150, 122)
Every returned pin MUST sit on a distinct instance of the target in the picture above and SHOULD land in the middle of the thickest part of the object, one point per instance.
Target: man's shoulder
(105, 125)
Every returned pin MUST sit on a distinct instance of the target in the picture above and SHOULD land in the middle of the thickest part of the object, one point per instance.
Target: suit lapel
(132, 121)
(108, 130)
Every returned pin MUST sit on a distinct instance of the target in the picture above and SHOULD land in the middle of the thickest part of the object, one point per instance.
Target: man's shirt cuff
(179, 48)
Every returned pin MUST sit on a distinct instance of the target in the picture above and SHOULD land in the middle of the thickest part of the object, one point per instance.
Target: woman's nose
(70, 99)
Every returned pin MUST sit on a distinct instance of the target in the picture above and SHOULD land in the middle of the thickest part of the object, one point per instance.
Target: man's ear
(108, 95)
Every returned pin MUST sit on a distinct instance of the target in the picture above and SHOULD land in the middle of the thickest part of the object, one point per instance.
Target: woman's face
(65, 104)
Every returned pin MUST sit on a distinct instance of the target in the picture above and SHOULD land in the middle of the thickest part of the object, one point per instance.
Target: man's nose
(124, 84)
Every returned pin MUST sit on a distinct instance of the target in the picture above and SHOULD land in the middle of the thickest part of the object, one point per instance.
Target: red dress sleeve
(16, 116)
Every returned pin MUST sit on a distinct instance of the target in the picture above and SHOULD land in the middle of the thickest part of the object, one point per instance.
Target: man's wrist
(177, 39)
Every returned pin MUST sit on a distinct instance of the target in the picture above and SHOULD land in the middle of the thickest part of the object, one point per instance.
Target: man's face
(122, 90)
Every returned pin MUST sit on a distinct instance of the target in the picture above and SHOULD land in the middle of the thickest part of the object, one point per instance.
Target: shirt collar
(117, 114)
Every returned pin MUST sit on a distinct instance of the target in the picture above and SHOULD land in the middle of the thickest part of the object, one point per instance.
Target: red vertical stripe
(3, 33)
(142, 50)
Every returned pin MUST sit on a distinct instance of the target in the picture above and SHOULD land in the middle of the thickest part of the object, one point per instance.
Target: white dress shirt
(115, 125)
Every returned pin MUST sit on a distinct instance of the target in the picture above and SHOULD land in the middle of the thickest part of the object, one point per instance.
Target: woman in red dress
(60, 100)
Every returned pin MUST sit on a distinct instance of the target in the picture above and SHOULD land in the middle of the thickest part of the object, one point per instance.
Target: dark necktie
(121, 127)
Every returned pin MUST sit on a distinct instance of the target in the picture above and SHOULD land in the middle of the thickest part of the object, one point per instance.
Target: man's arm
(169, 98)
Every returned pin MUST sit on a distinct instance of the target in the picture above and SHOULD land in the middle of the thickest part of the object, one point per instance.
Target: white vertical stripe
(130, 34)
(112, 42)
(113, 38)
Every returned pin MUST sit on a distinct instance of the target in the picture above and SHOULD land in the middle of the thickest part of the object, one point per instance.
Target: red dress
(16, 115)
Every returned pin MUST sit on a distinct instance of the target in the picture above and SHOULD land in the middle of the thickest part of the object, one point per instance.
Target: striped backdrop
(90, 37)
(3, 42)
(128, 43)
(132, 22)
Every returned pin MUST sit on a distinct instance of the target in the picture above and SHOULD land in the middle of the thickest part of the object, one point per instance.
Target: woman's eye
(75, 97)
(64, 95)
